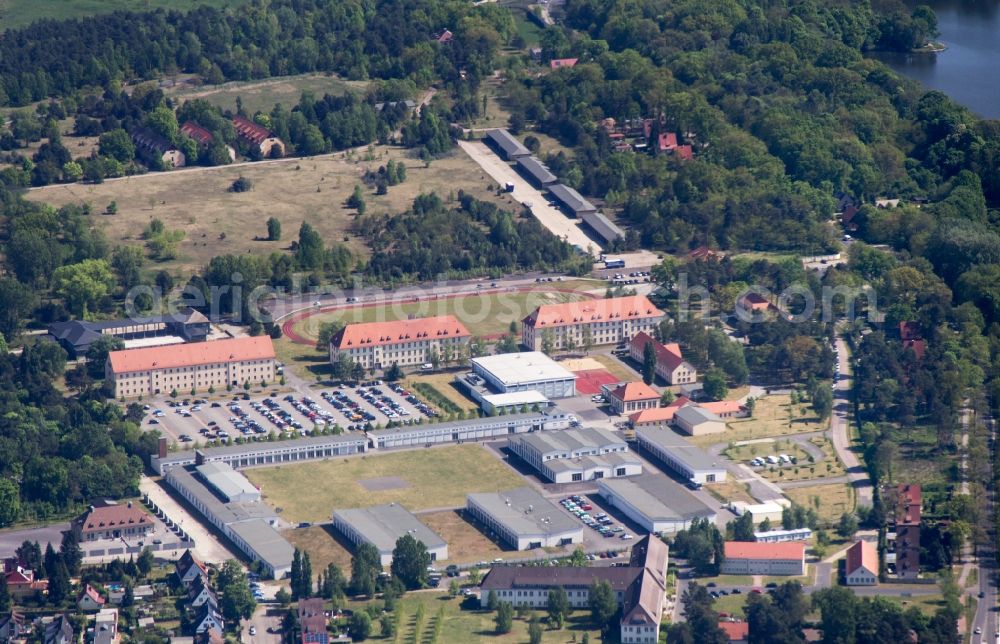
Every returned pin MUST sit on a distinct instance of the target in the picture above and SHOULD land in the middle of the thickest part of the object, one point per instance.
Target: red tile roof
(191, 354)
(656, 415)
(919, 347)
(249, 130)
(602, 310)
(908, 499)
(562, 62)
(736, 631)
(769, 551)
(381, 333)
(89, 591)
(667, 141)
(684, 152)
(634, 391)
(723, 407)
(197, 132)
(862, 554)
(754, 301)
(112, 516)
(667, 354)
(909, 331)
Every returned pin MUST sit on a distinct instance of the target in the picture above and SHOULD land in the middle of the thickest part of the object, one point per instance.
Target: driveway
(207, 547)
(266, 618)
(549, 216)
(839, 427)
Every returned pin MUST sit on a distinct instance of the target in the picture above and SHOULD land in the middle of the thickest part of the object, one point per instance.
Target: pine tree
(70, 552)
(5, 599)
(307, 577)
(59, 585)
(648, 363)
(295, 576)
(52, 559)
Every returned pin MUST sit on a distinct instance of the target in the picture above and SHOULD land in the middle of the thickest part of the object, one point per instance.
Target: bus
(614, 263)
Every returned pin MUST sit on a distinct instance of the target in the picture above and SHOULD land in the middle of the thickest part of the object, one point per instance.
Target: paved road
(10, 540)
(986, 618)
(839, 427)
(549, 216)
(262, 622)
(207, 547)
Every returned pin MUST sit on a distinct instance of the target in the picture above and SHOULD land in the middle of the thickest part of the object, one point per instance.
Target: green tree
(10, 502)
(326, 332)
(116, 144)
(365, 567)
(59, 583)
(648, 363)
(273, 229)
(310, 254)
(743, 527)
(6, 602)
(847, 525)
(361, 626)
(838, 611)
(558, 606)
(387, 625)
(16, 302)
(97, 354)
(357, 200)
(714, 384)
(72, 171)
(237, 599)
(504, 619)
(822, 401)
(535, 633)
(410, 560)
(127, 263)
(82, 286)
(603, 604)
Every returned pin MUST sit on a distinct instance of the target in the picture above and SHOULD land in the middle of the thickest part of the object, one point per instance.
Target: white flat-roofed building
(777, 536)
(524, 519)
(383, 525)
(529, 371)
(773, 511)
(571, 455)
(478, 429)
(252, 454)
(692, 462)
(655, 502)
(514, 401)
(227, 482)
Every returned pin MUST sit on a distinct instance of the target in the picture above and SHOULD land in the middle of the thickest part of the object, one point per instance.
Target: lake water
(969, 70)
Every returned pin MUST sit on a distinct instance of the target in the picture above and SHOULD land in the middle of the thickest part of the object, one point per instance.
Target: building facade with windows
(656, 503)
(693, 463)
(589, 322)
(670, 363)
(407, 343)
(753, 558)
(199, 366)
(583, 454)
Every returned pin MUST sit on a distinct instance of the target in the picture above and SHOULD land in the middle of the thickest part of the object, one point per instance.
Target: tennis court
(589, 381)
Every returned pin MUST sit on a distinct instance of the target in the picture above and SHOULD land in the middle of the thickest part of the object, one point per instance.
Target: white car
(253, 630)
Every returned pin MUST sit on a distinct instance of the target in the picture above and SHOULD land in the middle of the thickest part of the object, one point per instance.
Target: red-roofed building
(559, 63)
(670, 363)
(909, 331)
(119, 521)
(726, 408)
(628, 397)
(684, 152)
(656, 417)
(603, 321)
(379, 345)
(312, 621)
(443, 36)
(754, 304)
(21, 581)
(903, 536)
(757, 558)
(847, 217)
(219, 363)
(202, 137)
(736, 632)
(667, 141)
(861, 567)
(259, 137)
(704, 253)
(90, 599)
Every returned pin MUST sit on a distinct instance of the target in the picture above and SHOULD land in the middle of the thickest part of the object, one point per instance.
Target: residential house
(670, 363)
(13, 626)
(200, 593)
(207, 618)
(753, 558)
(115, 521)
(903, 535)
(753, 305)
(90, 599)
(59, 631)
(312, 621)
(105, 627)
(911, 337)
(861, 565)
(211, 636)
(21, 581)
(559, 63)
(704, 254)
(736, 632)
(590, 322)
(188, 568)
(259, 137)
(630, 397)
(157, 150)
(203, 137)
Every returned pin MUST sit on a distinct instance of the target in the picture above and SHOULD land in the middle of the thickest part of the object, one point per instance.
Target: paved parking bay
(199, 419)
(616, 532)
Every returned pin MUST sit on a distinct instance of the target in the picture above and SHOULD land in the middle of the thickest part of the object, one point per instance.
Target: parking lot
(348, 407)
(602, 531)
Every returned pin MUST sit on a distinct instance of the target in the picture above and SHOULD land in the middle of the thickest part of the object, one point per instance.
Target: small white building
(752, 558)
(773, 511)
(861, 565)
(524, 519)
(779, 536)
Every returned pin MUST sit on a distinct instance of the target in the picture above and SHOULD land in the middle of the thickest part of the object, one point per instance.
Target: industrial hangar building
(383, 525)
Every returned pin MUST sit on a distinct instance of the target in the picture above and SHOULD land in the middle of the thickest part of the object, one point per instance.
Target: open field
(436, 478)
(323, 545)
(466, 544)
(486, 314)
(216, 221)
(444, 384)
(834, 499)
(473, 626)
(304, 361)
(773, 416)
(261, 95)
(18, 13)
(729, 491)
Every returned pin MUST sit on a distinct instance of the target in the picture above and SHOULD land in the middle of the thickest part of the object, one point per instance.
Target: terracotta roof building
(629, 397)
(312, 621)
(153, 147)
(596, 322)
(259, 137)
(90, 599)
(670, 363)
(407, 343)
(726, 408)
(203, 137)
(755, 558)
(184, 367)
(736, 632)
(903, 536)
(655, 417)
(559, 63)
(861, 567)
(123, 521)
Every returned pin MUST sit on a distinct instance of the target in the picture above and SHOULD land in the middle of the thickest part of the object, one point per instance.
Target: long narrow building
(407, 343)
(597, 322)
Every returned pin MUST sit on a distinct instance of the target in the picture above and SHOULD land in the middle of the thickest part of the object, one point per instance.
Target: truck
(614, 263)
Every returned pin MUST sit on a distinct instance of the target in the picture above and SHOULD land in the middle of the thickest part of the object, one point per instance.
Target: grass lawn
(731, 604)
(483, 314)
(434, 478)
(927, 604)
(471, 626)
(834, 499)
(263, 94)
(218, 222)
(444, 384)
(18, 13)
(466, 544)
(773, 416)
(324, 546)
(305, 361)
(729, 491)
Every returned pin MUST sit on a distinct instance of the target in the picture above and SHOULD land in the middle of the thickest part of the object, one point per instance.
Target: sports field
(430, 478)
(486, 314)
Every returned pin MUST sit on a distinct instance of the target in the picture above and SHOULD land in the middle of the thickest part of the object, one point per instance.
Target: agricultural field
(261, 95)
(773, 415)
(216, 222)
(421, 479)
(830, 500)
(19, 13)
(487, 315)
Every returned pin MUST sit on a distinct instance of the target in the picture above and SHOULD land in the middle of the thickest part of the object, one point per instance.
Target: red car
(586, 507)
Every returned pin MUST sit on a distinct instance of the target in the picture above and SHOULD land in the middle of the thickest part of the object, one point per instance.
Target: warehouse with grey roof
(383, 525)
(536, 172)
(506, 145)
(602, 226)
(693, 463)
(655, 502)
(571, 200)
(582, 454)
(524, 519)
